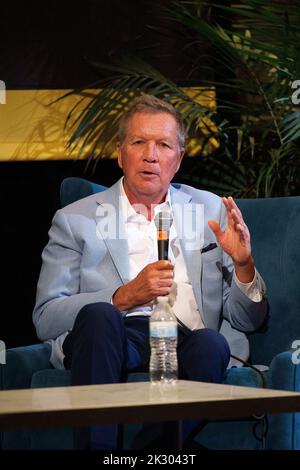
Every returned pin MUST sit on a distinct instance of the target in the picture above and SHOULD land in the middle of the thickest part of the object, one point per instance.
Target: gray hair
(152, 105)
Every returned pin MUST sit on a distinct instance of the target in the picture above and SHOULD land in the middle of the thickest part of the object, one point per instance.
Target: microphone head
(163, 220)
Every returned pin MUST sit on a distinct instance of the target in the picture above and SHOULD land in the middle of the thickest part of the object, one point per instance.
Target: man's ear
(119, 153)
(180, 159)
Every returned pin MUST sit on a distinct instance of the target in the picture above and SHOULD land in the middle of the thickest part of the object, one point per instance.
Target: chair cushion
(52, 438)
(21, 363)
(244, 376)
(50, 378)
(247, 377)
(61, 378)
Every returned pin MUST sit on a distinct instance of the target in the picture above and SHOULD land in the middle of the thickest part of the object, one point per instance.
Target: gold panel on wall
(33, 129)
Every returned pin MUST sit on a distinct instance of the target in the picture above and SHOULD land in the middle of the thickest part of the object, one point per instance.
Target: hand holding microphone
(156, 278)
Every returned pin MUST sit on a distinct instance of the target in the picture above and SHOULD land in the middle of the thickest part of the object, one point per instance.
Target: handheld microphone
(163, 221)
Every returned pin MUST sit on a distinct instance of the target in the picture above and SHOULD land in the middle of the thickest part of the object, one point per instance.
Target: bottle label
(166, 329)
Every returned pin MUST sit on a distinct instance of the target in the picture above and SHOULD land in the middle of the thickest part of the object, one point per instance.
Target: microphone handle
(163, 249)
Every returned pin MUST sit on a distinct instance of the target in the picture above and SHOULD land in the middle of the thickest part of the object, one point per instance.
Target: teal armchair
(275, 228)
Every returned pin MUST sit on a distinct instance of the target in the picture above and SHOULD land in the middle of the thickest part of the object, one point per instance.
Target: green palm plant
(95, 125)
(255, 48)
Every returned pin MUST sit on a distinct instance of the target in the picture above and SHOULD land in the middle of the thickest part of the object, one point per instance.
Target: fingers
(153, 280)
(215, 228)
(214, 225)
(243, 233)
(161, 268)
(235, 219)
(162, 284)
(165, 285)
(165, 269)
(163, 265)
(229, 202)
(165, 275)
(231, 205)
(158, 276)
(233, 212)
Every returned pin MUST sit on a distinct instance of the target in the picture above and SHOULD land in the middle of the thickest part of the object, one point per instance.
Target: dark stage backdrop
(49, 45)
(29, 194)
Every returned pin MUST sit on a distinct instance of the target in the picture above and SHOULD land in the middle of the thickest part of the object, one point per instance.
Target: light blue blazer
(82, 265)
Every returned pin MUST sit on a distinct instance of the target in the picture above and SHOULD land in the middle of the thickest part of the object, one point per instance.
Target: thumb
(215, 228)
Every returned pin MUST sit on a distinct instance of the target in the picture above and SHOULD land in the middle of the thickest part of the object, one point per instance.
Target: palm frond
(100, 116)
(254, 57)
(291, 127)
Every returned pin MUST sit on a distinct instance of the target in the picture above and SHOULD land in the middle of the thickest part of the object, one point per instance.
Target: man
(100, 275)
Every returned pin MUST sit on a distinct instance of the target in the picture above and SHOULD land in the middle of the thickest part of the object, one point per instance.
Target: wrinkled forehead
(160, 124)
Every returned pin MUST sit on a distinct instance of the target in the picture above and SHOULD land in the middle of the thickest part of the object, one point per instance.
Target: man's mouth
(149, 173)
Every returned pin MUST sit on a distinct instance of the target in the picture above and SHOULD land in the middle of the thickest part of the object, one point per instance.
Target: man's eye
(164, 144)
(137, 142)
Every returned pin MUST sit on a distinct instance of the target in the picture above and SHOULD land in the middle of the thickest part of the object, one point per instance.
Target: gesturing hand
(154, 280)
(235, 240)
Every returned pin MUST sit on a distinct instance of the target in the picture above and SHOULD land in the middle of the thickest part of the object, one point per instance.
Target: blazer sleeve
(242, 313)
(59, 298)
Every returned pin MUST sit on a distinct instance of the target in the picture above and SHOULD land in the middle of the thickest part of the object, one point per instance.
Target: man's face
(149, 156)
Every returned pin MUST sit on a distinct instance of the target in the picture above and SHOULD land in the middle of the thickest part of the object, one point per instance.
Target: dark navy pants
(103, 348)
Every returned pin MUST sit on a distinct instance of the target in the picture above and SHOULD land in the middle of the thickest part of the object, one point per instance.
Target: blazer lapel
(189, 220)
(111, 229)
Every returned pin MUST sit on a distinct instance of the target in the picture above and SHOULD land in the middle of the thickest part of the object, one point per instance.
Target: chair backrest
(274, 224)
(72, 189)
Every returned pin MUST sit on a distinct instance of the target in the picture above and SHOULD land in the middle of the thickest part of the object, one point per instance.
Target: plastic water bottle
(163, 342)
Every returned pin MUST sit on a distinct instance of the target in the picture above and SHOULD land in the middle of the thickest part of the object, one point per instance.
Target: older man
(101, 275)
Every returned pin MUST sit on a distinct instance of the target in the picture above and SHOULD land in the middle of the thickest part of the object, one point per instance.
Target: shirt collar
(130, 214)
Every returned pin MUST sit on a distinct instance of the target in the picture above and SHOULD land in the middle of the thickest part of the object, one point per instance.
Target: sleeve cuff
(251, 289)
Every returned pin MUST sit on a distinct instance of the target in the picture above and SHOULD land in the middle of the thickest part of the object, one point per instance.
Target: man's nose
(150, 153)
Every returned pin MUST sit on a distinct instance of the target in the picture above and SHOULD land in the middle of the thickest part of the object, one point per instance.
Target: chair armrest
(246, 377)
(284, 428)
(22, 363)
(285, 372)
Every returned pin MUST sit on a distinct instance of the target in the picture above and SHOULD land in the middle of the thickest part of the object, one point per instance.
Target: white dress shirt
(142, 249)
